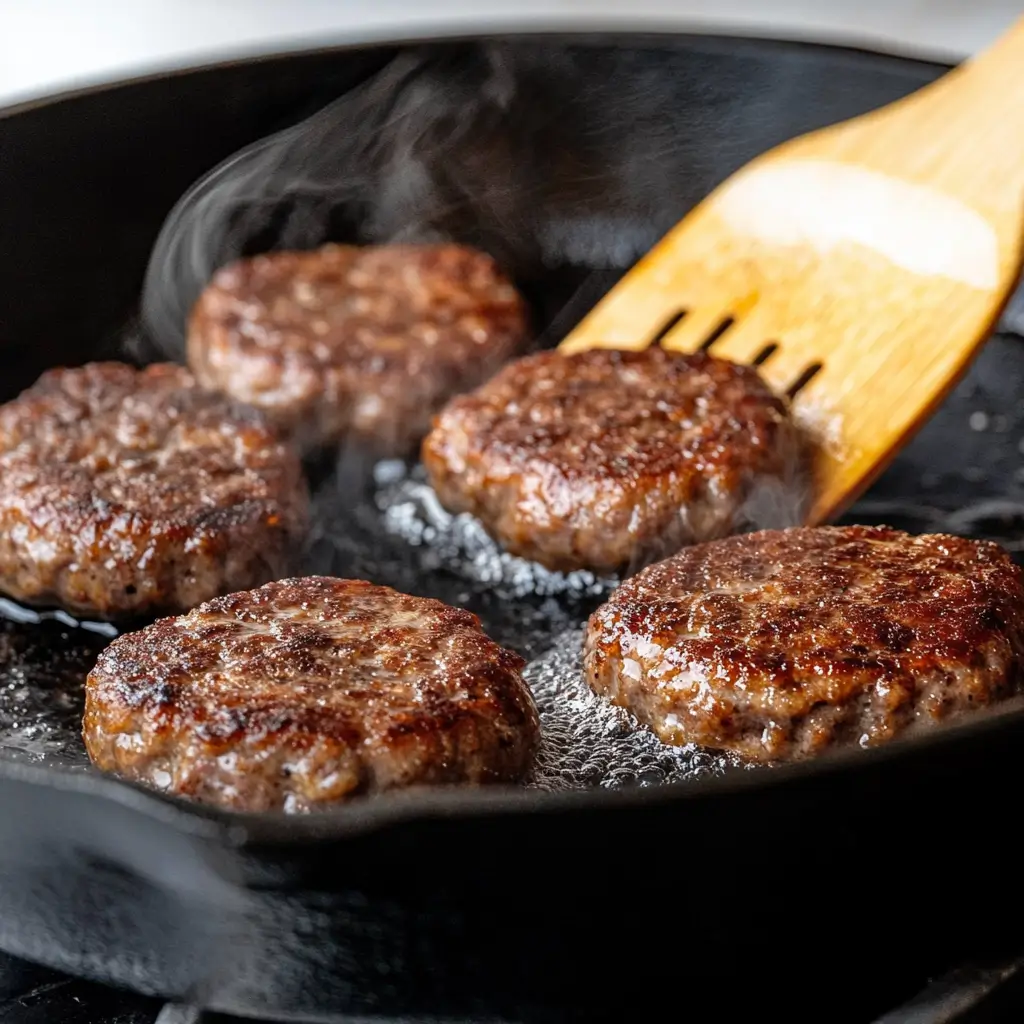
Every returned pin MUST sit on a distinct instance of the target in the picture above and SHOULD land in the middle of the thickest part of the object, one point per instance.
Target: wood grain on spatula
(860, 267)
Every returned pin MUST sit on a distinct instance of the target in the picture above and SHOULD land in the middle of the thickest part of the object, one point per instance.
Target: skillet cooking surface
(462, 902)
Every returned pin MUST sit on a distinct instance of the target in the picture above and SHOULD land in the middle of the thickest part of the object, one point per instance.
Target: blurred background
(47, 45)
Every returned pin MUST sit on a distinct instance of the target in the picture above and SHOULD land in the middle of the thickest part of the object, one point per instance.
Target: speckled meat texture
(606, 460)
(310, 691)
(126, 493)
(358, 344)
(781, 644)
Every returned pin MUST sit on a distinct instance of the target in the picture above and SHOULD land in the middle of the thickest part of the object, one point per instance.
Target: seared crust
(356, 343)
(129, 492)
(781, 643)
(605, 459)
(309, 691)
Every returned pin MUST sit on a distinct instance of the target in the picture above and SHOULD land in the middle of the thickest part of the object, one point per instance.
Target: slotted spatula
(859, 267)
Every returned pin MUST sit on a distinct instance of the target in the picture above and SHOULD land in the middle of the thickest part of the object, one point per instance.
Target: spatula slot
(717, 333)
(765, 354)
(804, 379)
(668, 325)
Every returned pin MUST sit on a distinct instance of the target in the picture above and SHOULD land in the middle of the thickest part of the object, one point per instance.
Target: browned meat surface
(126, 493)
(783, 643)
(356, 343)
(306, 692)
(605, 460)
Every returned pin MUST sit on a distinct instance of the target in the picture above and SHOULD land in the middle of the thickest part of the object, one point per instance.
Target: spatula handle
(984, 98)
(962, 136)
(1005, 58)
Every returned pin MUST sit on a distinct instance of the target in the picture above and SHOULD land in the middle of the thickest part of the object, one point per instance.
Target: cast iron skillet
(511, 905)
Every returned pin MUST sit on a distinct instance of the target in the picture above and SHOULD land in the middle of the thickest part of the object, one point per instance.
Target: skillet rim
(381, 812)
(711, 41)
(366, 816)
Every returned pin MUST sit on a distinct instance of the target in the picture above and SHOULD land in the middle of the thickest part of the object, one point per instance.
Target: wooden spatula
(859, 267)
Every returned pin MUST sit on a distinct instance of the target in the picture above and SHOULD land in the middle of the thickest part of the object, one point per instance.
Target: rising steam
(565, 163)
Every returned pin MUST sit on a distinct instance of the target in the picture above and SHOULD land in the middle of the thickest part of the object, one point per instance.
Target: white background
(46, 45)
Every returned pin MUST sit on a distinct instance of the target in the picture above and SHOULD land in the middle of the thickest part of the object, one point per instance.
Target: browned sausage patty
(782, 643)
(309, 691)
(360, 343)
(130, 492)
(604, 460)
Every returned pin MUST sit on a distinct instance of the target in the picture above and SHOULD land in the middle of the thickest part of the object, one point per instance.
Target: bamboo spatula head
(860, 267)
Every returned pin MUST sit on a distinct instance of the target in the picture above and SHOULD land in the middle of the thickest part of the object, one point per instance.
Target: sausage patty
(603, 459)
(782, 643)
(129, 492)
(356, 343)
(309, 691)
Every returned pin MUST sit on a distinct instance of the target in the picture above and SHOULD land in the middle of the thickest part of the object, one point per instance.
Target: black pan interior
(566, 158)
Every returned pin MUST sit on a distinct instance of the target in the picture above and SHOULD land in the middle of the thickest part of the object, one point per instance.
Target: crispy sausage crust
(306, 692)
(780, 644)
(356, 343)
(604, 459)
(129, 492)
